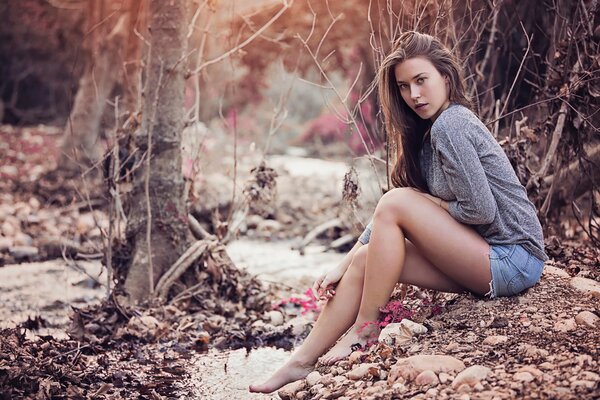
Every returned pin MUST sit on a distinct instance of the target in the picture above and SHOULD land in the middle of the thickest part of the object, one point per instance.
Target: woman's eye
(420, 80)
(402, 86)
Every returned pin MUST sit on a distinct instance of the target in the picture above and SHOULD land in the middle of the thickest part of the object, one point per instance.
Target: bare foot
(354, 338)
(290, 372)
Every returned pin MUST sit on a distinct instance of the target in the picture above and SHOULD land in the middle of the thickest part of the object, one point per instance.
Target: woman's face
(422, 87)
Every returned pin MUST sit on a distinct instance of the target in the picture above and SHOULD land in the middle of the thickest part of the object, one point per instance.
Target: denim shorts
(514, 269)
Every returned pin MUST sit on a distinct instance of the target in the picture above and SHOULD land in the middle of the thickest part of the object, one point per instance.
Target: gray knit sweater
(464, 165)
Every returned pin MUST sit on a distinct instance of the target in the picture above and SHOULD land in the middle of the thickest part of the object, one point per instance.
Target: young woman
(458, 219)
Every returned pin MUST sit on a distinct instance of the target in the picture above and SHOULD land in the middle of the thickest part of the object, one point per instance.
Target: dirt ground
(62, 337)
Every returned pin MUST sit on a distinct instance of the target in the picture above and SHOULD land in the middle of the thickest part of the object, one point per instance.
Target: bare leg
(336, 317)
(456, 249)
(341, 311)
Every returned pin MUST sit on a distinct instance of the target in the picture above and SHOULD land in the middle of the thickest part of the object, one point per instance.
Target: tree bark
(162, 124)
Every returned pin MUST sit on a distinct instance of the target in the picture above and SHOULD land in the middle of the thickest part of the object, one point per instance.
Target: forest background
(142, 134)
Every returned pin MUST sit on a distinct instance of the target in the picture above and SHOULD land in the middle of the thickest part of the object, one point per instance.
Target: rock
(550, 270)
(523, 376)
(5, 243)
(363, 370)
(444, 377)
(34, 203)
(288, 391)
(409, 368)
(302, 395)
(531, 369)
(8, 229)
(23, 239)
(20, 252)
(589, 385)
(313, 378)
(355, 356)
(427, 377)
(587, 318)
(495, 339)
(275, 317)
(566, 325)
(586, 285)
(395, 333)
(451, 347)
(326, 380)
(471, 376)
(548, 366)
(415, 328)
(433, 392)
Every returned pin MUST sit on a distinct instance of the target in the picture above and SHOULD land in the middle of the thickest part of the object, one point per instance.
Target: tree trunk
(162, 124)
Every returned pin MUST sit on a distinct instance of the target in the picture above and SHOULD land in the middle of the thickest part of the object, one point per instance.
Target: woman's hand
(324, 286)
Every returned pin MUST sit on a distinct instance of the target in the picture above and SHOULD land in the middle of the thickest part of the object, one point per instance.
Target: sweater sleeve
(475, 204)
(366, 235)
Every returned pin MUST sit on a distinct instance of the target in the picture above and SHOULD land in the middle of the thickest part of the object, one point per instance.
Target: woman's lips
(420, 106)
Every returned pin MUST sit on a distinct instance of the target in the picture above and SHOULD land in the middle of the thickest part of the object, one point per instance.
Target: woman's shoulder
(455, 119)
(455, 114)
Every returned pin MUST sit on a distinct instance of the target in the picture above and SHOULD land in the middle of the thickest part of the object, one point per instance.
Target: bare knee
(393, 205)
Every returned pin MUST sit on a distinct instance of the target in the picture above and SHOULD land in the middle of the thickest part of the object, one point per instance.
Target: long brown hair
(405, 129)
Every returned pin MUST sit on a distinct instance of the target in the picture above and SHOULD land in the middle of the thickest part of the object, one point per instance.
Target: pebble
(363, 370)
(275, 317)
(523, 376)
(427, 377)
(8, 229)
(471, 376)
(313, 378)
(547, 366)
(566, 325)
(586, 285)
(495, 339)
(414, 327)
(531, 369)
(587, 318)
(289, 391)
(409, 368)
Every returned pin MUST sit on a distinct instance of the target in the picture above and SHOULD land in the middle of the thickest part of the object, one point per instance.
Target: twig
(556, 135)
(197, 229)
(194, 252)
(519, 70)
(312, 235)
(283, 9)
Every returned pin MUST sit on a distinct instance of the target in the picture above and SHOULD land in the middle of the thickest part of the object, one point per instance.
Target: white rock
(586, 285)
(313, 378)
(394, 334)
(587, 318)
(427, 377)
(471, 376)
(409, 368)
(566, 325)
(8, 229)
(523, 376)
(414, 327)
(275, 317)
(495, 339)
(550, 270)
(363, 370)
